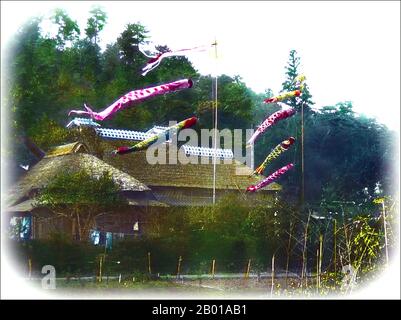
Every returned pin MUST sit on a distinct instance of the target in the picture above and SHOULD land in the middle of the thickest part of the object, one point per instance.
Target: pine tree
(289, 83)
(302, 104)
(95, 24)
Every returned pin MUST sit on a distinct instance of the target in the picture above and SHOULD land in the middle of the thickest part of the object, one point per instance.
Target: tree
(301, 104)
(289, 84)
(348, 152)
(235, 102)
(47, 133)
(68, 29)
(80, 197)
(128, 42)
(95, 24)
(34, 66)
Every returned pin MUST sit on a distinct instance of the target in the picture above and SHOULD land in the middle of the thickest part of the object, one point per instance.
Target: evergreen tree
(301, 104)
(68, 30)
(128, 42)
(95, 24)
(289, 83)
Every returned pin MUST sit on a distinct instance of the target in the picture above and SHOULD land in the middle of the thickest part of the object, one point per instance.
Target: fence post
(213, 267)
(385, 231)
(100, 268)
(320, 257)
(272, 288)
(335, 248)
(317, 271)
(179, 267)
(29, 268)
(248, 267)
(304, 255)
(149, 268)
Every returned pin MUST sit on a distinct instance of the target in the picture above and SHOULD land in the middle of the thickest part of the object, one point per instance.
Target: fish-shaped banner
(271, 120)
(270, 178)
(276, 152)
(134, 97)
(155, 60)
(147, 142)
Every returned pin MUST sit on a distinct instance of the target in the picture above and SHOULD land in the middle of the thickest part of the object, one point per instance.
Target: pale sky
(349, 50)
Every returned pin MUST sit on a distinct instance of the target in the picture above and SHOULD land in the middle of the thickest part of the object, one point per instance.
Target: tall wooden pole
(302, 158)
(215, 128)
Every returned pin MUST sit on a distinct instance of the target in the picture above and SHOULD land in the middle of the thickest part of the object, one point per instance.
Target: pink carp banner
(134, 97)
(270, 178)
(271, 120)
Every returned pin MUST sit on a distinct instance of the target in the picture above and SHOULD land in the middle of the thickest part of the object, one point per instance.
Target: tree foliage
(292, 71)
(95, 24)
(80, 196)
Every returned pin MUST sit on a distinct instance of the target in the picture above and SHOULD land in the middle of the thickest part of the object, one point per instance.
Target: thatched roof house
(148, 188)
(70, 157)
(176, 183)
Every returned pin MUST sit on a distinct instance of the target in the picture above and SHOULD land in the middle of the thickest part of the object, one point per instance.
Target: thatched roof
(232, 175)
(75, 147)
(229, 176)
(204, 197)
(24, 206)
(44, 171)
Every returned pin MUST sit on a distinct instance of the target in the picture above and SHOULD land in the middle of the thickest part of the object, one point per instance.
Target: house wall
(122, 221)
(45, 223)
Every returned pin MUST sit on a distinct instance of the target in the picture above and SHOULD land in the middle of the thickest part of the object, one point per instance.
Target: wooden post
(29, 268)
(346, 236)
(385, 231)
(288, 256)
(248, 268)
(317, 271)
(320, 258)
(302, 159)
(335, 247)
(73, 229)
(215, 130)
(179, 267)
(149, 269)
(213, 267)
(100, 268)
(272, 284)
(304, 262)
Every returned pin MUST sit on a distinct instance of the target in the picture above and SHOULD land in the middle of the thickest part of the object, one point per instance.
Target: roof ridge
(69, 148)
